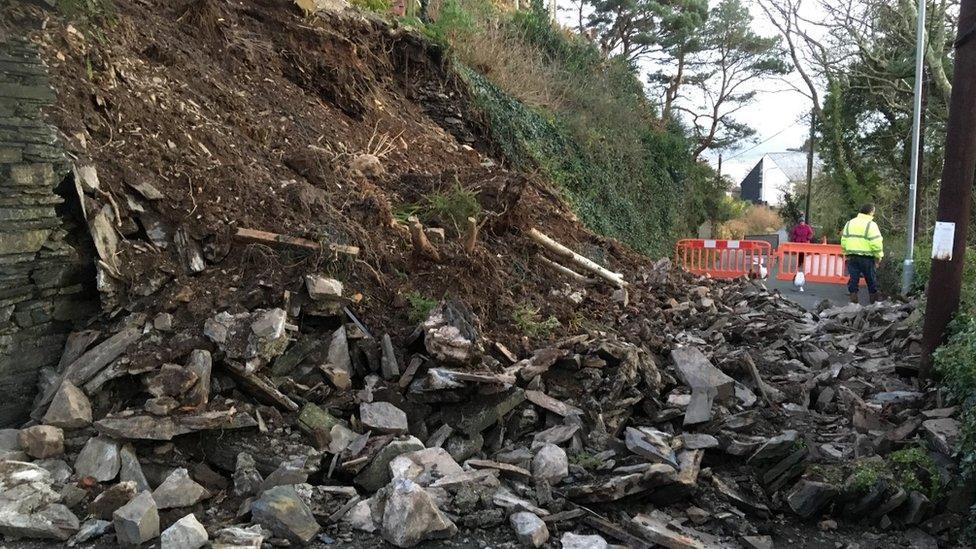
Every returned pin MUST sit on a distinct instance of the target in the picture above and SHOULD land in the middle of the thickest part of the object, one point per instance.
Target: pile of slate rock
(710, 410)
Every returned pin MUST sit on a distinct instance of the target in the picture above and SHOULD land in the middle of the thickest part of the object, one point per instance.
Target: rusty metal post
(955, 196)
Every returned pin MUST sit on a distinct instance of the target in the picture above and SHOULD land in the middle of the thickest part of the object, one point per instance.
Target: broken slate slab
(758, 542)
(383, 417)
(186, 533)
(577, 541)
(389, 365)
(130, 469)
(476, 415)
(69, 409)
(282, 511)
(697, 372)
(550, 464)
(699, 441)
(137, 521)
(237, 537)
(105, 505)
(179, 490)
(530, 530)
(808, 497)
(42, 441)
(775, 448)
(942, 434)
(377, 473)
(99, 459)
(424, 466)
(651, 444)
(411, 516)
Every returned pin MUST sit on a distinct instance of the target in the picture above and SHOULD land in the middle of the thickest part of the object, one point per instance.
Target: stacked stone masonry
(43, 286)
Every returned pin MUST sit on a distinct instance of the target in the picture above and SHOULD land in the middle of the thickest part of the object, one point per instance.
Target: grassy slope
(555, 105)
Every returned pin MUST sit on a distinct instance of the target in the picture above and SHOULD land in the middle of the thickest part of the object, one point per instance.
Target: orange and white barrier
(724, 258)
(820, 262)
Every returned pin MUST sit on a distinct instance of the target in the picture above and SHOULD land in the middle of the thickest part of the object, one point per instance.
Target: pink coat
(801, 233)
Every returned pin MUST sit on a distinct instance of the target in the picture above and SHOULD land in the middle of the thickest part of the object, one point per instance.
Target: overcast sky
(780, 115)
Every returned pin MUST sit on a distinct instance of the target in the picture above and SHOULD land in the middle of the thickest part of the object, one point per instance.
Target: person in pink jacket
(801, 233)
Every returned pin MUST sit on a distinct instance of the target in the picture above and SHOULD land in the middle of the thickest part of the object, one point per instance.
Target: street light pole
(813, 120)
(908, 272)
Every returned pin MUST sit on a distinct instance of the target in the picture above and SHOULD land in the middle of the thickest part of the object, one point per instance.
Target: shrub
(420, 306)
(530, 323)
(451, 207)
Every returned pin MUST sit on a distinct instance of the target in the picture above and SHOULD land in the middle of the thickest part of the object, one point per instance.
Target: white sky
(780, 115)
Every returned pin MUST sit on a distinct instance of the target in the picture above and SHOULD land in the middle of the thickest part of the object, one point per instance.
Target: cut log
(470, 235)
(265, 237)
(558, 249)
(565, 270)
(421, 246)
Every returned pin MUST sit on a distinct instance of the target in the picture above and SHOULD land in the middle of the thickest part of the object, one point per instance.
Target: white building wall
(774, 183)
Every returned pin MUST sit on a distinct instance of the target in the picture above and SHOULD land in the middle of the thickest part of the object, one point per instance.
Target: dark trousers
(858, 266)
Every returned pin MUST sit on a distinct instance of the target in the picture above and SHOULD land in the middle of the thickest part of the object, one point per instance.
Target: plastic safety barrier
(820, 262)
(724, 258)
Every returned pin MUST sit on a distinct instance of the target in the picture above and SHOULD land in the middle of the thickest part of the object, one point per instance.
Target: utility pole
(955, 196)
(813, 121)
(908, 269)
(922, 183)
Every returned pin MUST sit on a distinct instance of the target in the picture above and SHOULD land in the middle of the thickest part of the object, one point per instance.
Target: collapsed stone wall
(45, 285)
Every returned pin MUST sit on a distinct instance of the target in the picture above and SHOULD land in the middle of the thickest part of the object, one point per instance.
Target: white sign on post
(942, 239)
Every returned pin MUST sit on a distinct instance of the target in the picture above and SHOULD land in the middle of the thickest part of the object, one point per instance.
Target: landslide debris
(282, 359)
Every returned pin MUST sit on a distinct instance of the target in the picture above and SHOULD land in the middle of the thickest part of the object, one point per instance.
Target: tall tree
(727, 60)
(639, 28)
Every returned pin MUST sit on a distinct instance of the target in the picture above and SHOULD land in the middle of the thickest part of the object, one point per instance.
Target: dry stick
(558, 249)
(471, 235)
(296, 242)
(422, 246)
(564, 270)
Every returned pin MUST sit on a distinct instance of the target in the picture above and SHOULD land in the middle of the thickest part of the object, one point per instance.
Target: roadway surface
(813, 294)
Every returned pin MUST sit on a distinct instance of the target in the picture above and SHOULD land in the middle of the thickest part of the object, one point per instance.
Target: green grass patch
(529, 322)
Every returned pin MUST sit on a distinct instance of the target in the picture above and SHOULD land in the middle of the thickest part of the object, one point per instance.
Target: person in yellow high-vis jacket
(864, 248)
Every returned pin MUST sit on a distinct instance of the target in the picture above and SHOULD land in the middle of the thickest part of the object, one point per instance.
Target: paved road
(813, 294)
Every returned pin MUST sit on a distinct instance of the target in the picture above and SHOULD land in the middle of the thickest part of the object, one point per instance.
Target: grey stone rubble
(295, 430)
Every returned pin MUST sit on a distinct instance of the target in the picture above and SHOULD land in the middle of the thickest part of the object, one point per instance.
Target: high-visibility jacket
(862, 236)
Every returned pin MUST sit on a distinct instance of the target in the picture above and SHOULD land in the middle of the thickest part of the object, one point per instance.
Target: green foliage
(452, 22)
(378, 6)
(923, 268)
(92, 10)
(914, 469)
(530, 323)
(585, 460)
(452, 206)
(866, 474)
(791, 211)
(955, 361)
(420, 306)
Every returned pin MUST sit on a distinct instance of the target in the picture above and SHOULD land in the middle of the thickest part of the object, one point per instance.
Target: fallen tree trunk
(558, 249)
(565, 270)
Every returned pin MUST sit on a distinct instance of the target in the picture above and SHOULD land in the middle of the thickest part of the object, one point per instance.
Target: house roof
(794, 164)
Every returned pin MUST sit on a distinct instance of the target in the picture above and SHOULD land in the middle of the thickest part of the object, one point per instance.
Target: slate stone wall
(45, 283)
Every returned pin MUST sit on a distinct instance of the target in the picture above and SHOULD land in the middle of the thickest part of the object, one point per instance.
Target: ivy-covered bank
(583, 122)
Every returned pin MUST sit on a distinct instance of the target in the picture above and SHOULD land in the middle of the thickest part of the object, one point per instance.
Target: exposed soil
(248, 115)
